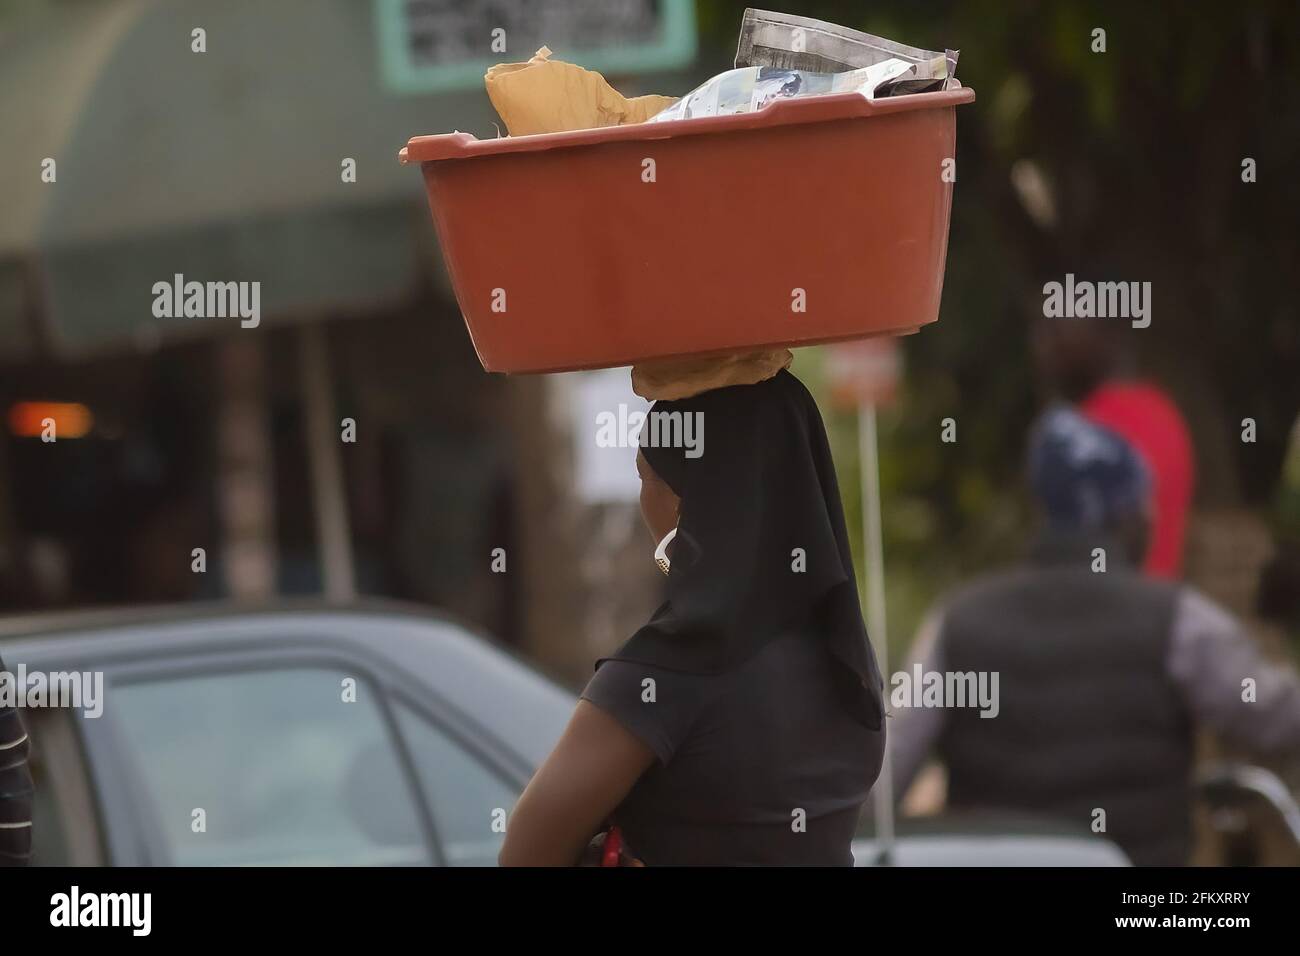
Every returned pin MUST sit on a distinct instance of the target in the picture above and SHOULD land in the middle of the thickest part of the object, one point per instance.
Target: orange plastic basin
(563, 257)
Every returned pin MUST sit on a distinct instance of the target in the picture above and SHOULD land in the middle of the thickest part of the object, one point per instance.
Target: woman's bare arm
(587, 775)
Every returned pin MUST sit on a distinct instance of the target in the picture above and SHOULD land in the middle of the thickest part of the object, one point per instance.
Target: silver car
(313, 735)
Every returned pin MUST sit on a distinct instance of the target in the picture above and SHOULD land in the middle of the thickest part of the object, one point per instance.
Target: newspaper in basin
(753, 87)
(788, 42)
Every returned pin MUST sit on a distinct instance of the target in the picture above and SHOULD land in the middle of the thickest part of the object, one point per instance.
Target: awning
(219, 166)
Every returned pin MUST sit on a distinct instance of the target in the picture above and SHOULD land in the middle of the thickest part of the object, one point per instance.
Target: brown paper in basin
(551, 96)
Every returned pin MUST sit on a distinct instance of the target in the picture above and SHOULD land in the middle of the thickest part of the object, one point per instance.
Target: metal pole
(333, 535)
(873, 554)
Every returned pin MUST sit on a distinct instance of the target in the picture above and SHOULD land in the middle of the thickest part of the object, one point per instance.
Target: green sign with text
(430, 46)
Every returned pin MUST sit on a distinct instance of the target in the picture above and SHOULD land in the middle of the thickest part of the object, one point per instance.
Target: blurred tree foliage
(1124, 165)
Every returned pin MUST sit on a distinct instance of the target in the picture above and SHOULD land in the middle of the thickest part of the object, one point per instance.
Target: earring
(661, 552)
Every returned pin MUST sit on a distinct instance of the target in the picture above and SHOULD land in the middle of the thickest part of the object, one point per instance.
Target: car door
(66, 827)
(469, 796)
(255, 759)
(291, 757)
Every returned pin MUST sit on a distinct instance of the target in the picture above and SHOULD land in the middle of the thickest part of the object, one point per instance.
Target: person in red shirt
(1142, 413)
(1081, 359)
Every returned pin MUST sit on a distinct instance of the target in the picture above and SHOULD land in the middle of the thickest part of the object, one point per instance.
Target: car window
(278, 766)
(469, 802)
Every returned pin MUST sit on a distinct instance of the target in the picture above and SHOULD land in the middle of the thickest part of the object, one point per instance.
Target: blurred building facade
(345, 442)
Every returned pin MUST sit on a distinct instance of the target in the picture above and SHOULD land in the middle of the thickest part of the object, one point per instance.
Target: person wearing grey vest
(1099, 675)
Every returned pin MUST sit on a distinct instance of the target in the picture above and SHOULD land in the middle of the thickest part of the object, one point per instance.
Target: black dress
(758, 765)
(754, 682)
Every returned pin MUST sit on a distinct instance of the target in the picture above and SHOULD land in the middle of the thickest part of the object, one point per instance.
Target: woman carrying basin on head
(742, 724)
